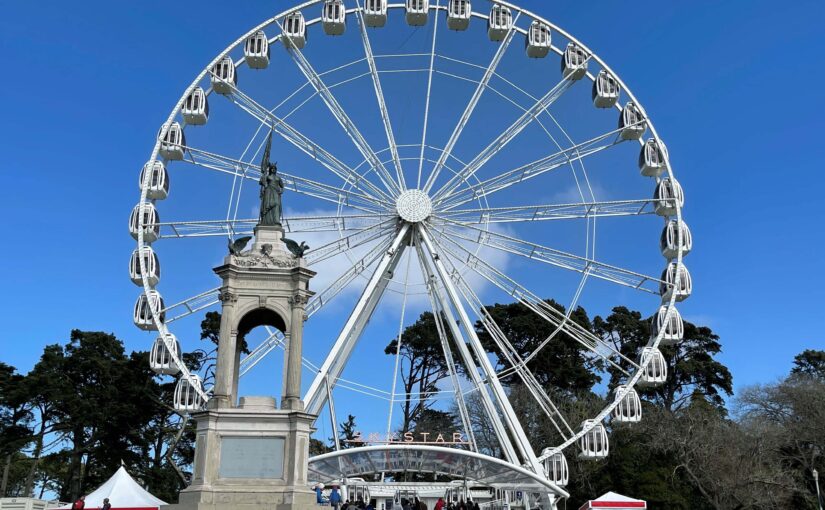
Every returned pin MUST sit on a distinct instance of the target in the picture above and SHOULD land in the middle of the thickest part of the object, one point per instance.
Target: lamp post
(816, 482)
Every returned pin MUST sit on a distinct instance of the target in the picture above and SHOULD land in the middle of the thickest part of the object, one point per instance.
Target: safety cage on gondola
(295, 29)
(375, 13)
(655, 372)
(150, 262)
(669, 285)
(161, 360)
(143, 314)
(538, 40)
(574, 62)
(670, 241)
(632, 122)
(673, 325)
(652, 158)
(499, 23)
(334, 17)
(606, 90)
(256, 50)
(555, 467)
(157, 185)
(459, 13)
(223, 76)
(173, 143)
(628, 405)
(151, 229)
(195, 109)
(669, 197)
(187, 394)
(593, 444)
(416, 12)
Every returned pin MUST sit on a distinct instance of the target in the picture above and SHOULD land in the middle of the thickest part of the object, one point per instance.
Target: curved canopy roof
(472, 466)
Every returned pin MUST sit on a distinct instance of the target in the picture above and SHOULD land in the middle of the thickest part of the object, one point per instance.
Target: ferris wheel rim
(162, 329)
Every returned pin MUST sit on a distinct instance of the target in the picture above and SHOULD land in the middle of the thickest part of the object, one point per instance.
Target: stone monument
(252, 454)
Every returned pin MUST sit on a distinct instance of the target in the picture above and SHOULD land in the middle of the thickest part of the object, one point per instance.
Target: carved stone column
(225, 393)
(292, 361)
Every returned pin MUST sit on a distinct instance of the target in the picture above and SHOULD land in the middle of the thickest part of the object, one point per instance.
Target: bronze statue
(271, 189)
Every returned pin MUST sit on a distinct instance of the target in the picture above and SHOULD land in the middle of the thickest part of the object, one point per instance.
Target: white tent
(123, 493)
(613, 501)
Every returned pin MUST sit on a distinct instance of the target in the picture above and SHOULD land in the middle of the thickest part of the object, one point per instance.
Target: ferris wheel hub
(414, 206)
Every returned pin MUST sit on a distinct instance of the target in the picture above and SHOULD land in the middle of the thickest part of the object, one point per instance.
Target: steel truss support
(340, 352)
(517, 431)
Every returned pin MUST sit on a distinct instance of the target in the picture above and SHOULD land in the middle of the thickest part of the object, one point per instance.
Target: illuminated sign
(408, 438)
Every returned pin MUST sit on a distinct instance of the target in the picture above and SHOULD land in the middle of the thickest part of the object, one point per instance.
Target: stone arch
(261, 316)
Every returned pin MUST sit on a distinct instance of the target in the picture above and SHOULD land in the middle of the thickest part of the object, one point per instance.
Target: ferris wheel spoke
(379, 94)
(245, 226)
(341, 350)
(578, 152)
(522, 443)
(191, 305)
(340, 115)
(308, 187)
(593, 343)
(304, 143)
(427, 100)
(471, 105)
(555, 257)
(504, 138)
(509, 352)
(354, 240)
(545, 212)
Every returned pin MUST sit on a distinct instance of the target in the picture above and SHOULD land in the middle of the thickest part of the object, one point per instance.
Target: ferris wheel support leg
(478, 383)
(522, 443)
(333, 365)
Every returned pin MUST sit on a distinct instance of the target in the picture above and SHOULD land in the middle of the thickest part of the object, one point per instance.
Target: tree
(211, 330)
(15, 420)
(348, 434)
(692, 367)
(810, 362)
(423, 366)
(563, 363)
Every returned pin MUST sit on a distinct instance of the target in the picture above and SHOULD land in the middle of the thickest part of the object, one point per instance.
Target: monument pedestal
(252, 457)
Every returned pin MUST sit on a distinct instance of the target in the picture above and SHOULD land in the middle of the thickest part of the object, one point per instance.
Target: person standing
(80, 504)
(335, 498)
(439, 505)
(106, 504)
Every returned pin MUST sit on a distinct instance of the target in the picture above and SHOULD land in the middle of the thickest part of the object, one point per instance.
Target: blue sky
(734, 88)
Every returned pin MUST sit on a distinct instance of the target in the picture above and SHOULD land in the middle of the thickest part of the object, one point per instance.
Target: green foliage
(211, 330)
(810, 362)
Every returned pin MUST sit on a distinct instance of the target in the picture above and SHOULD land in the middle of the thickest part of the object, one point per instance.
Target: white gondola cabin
(606, 90)
(143, 314)
(224, 77)
(151, 229)
(459, 13)
(669, 242)
(652, 158)
(150, 261)
(573, 62)
(632, 122)
(157, 185)
(674, 327)
(195, 109)
(416, 12)
(187, 396)
(295, 29)
(160, 359)
(683, 288)
(593, 444)
(173, 144)
(256, 50)
(334, 17)
(538, 40)
(669, 196)
(655, 373)
(555, 467)
(375, 13)
(628, 405)
(499, 23)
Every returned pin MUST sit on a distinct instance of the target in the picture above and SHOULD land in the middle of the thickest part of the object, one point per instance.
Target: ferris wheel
(453, 159)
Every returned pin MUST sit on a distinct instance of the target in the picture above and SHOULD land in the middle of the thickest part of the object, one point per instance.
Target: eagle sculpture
(297, 249)
(237, 246)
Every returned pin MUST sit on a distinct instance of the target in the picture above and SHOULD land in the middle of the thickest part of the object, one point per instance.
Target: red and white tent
(123, 492)
(614, 501)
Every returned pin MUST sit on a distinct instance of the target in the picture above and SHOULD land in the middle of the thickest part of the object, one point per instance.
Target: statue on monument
(272, 187)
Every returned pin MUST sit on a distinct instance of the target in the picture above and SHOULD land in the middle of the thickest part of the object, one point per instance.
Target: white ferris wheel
(435, 137)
